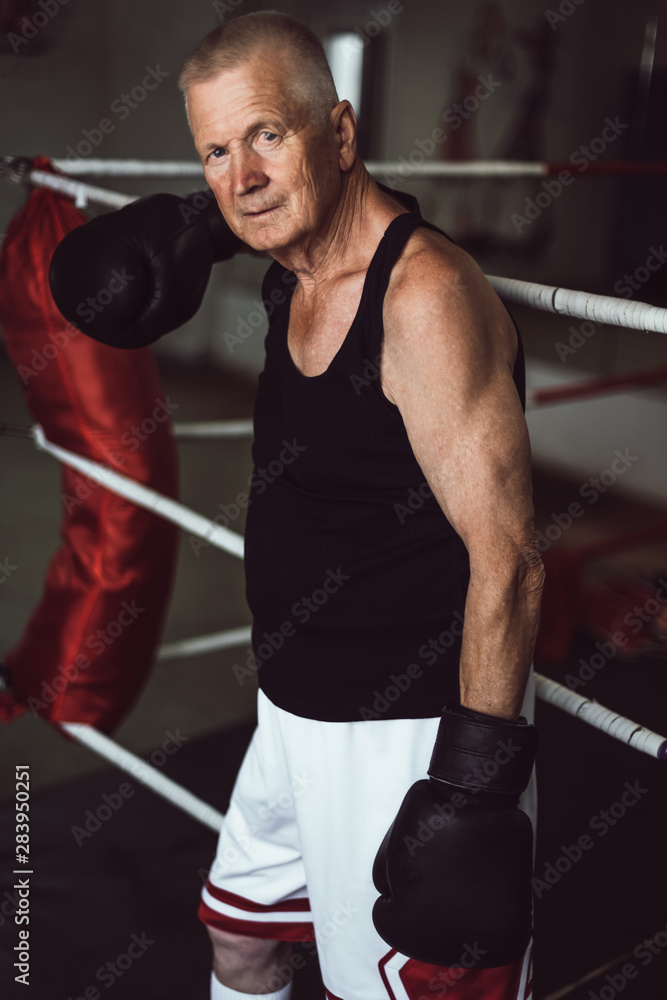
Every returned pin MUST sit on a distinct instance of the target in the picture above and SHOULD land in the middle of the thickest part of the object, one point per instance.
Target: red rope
(590, 388)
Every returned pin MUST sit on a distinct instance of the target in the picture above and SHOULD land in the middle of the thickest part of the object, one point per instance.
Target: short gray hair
(234, 43)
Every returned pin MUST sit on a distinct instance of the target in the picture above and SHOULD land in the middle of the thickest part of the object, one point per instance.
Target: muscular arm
(447, 363)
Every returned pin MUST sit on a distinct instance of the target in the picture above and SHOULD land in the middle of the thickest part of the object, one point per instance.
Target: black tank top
(355, 578)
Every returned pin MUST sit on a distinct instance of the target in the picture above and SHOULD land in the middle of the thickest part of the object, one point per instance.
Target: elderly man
(391, 563)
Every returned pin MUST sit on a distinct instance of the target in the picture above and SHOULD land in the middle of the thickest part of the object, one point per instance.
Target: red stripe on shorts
(241, 903)
(272, 930)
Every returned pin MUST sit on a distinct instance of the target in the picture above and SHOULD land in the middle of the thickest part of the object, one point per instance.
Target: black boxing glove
(454, 869)
(130, 276)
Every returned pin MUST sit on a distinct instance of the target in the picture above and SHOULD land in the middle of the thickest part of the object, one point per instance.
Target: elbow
(531, 573)
(514, 569)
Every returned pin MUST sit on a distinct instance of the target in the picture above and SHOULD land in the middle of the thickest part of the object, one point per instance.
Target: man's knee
(236, 953)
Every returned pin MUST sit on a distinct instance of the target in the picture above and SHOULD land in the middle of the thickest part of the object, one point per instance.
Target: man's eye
(216, 153)
(268, 136)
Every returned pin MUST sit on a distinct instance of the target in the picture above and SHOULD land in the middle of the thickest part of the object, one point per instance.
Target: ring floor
(134, 882)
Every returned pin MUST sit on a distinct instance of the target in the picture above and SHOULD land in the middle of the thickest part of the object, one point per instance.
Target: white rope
(604, 309)
(625, 730)
(462, 168)
(82, 193)
(403, 168)
(601, 718)
(584, 305)
(129, 168)
(213, 429)
(170, 509)
(205, 644)
(145, 773)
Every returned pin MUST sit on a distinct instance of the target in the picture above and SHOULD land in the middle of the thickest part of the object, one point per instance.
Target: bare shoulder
(438, 294)
(427, 249)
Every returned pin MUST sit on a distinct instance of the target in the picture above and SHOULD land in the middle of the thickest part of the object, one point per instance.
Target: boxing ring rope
(206, 430)
(213, 430)
(460, 168)
(82, 193)
(587, 710)
(601, 718)
(604, 309)
(144, 773)
(599, 308)
(229, 639)
(130, 489)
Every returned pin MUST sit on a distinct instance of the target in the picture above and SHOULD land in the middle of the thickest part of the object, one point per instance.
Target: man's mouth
(261, 212)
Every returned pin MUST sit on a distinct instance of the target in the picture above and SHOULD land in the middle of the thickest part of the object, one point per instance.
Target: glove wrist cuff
(482, 753)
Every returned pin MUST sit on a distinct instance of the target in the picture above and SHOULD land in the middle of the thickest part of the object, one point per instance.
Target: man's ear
(344, 123)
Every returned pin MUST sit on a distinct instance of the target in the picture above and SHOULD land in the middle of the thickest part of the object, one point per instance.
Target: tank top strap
(389, 250)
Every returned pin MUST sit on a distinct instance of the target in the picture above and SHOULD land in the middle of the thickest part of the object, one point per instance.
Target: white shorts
(310, 807)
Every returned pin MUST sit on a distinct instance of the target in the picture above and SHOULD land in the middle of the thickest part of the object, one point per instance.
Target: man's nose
(247, 171)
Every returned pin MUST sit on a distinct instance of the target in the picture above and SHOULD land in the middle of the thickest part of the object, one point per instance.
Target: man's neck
(349, 236)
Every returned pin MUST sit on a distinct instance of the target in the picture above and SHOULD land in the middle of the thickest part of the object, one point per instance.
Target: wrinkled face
(275, 175)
